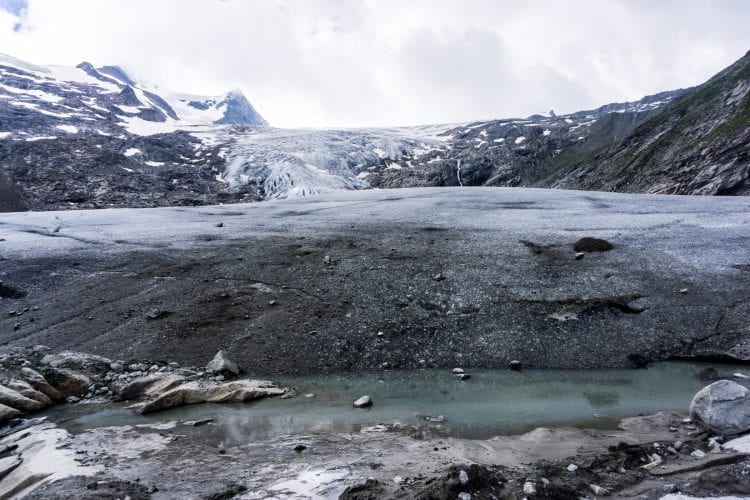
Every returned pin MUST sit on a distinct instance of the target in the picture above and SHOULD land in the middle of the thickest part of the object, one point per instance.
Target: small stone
(464, 496)
(669, 488)
(327, 259)
(463, 477)
(116, 367)
(589, 244)
(222, 364)
(683, 290)
(363, 402)
(580, 255)
(697, 454)
(529, 488)
(572, 468)
(438, 277)
(515, 365)
(203, 421)
(598, 490)
(220, 224)
(672, 428)
(300, 448)
(271, 302)
(380, 334)
(72, 399)
(456, 371)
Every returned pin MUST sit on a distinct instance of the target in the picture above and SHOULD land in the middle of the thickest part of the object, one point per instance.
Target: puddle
(490, 403)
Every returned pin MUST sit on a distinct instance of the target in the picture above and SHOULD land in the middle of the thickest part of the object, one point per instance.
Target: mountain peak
(239, 111)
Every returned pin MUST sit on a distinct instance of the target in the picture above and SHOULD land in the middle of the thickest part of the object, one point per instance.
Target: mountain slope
(88, 137)
(699, 144)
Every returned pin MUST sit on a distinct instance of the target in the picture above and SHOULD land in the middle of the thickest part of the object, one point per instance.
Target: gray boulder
(146, 386)
(16, 400)
(363, 402)
(222, 364)
(25, 389)
(722, 407)
(38, 382)
(76, 361)
(8, 413)
(211, 392)
(68, 382)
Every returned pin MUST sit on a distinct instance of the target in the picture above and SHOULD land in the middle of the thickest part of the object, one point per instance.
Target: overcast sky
(329, 63)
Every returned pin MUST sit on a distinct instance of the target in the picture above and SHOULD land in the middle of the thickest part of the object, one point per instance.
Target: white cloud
(388, 62)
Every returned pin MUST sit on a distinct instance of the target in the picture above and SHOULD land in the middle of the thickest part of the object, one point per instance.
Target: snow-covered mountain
(49, 101)
(86, 137)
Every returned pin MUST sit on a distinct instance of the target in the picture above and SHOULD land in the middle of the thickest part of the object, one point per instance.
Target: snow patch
(519, 140)
(154, 163)
(68, 128)
(132, 152)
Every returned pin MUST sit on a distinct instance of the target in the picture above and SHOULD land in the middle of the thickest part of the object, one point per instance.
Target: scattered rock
(300, 448)
(723, 407)
(157, 313)
(697, 454)
(223, 365)
(572, 468)
(363, 402)
(529, 488)
(457, 371)
(580, 255)
(463, 477)
(515, 365)
(589, 244)
(598, 490)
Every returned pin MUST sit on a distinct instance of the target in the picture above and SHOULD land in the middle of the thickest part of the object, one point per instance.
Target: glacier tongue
(294, 163)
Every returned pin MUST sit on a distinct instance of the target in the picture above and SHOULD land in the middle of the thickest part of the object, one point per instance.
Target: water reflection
(600, 399)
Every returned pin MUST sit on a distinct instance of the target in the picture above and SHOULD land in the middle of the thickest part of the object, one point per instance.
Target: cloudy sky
(329, 63)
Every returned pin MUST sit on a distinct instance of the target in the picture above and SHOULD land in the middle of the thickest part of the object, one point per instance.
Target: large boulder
(67, 382)
(77, 361)
(209, 392)
(38, 382)
(8, 413)
(722, 407)
(16, 400)
(24, 388)
(146, 386)
(222, 364)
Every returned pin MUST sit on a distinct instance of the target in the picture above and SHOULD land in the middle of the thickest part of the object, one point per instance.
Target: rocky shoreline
(704, 453)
